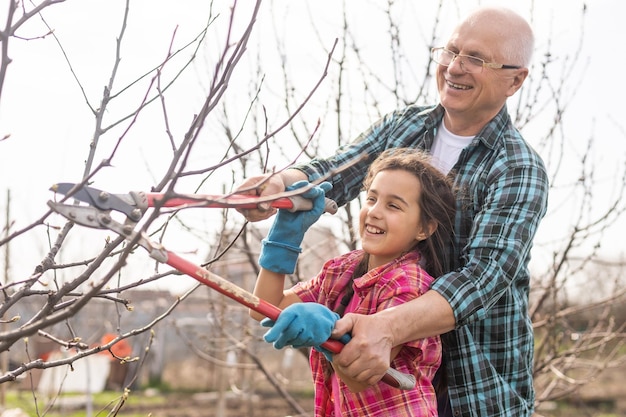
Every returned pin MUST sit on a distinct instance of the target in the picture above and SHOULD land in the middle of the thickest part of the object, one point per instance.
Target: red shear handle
(393, 377)
(294, 203)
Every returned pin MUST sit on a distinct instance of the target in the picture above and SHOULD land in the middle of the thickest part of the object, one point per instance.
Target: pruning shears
(135, 203)
(101, 205)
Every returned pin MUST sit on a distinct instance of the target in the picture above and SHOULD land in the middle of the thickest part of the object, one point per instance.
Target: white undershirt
(447, 147)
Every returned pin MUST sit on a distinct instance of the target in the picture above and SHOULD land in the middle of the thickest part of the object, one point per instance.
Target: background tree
(237, 89)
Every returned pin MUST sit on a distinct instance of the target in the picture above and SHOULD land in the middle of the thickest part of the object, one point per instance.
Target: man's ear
(517, 80)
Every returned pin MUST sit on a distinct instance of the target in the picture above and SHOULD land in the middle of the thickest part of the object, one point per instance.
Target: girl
(405, 225)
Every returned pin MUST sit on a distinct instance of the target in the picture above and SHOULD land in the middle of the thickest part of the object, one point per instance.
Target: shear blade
(96, 198)
(85, 216)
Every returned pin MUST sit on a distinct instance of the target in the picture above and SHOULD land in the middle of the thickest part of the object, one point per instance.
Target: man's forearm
(426, 316)
(292, 175)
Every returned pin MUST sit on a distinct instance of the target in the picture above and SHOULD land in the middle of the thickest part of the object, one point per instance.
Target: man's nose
(456, 65)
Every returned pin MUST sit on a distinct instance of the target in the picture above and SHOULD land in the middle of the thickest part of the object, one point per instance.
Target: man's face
(472, 99)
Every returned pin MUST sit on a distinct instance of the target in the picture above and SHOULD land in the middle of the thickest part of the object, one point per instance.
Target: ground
(155, 404)
(208, 405)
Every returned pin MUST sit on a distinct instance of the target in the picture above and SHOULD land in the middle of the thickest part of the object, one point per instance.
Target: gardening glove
(300, 325)
(281, 247)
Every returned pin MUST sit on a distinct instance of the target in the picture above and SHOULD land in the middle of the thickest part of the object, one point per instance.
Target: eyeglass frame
(492, 65)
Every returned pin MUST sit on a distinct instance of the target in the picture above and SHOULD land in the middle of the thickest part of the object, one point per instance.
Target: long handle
(294, 203)
(393, 377)
(95, 218)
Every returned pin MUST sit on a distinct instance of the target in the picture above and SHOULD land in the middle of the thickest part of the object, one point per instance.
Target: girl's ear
(427, 231)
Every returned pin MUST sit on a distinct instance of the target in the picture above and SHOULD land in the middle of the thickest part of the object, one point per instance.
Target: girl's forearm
(269, 287)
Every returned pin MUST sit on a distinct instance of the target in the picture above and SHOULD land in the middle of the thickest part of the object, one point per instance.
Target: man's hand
(265, 185)
(261, 185)
(368, 355)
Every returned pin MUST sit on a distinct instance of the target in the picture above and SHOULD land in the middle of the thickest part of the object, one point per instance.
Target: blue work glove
(300, 325)
(281, 247)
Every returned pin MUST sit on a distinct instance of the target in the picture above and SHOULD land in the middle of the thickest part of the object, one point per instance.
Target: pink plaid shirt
(386, 286)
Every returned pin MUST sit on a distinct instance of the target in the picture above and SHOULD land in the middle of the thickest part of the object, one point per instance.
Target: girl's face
(389, 222)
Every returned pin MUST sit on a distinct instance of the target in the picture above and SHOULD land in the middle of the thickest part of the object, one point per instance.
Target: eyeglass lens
(468, 63)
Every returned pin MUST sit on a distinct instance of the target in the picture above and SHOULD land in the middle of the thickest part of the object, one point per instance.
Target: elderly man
(479, 307)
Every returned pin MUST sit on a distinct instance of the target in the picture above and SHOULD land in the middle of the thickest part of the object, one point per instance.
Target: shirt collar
(489, 135)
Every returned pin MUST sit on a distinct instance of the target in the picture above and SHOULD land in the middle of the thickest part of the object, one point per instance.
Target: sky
(50, 126)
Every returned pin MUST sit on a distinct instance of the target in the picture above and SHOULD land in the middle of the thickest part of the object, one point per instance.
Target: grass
(61, 406)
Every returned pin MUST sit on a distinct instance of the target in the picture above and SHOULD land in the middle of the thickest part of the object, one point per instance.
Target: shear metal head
(94, 218)
(83, 215)
(98, 219)
(99, 199)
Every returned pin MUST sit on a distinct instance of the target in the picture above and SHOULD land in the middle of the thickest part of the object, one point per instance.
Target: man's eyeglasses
(469, 64)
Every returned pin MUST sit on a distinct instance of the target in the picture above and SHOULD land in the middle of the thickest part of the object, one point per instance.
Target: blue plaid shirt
(502, 187)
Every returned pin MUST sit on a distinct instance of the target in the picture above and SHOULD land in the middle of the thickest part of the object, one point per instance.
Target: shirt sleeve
(401, 128)
(347, 181)
(498, 246)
